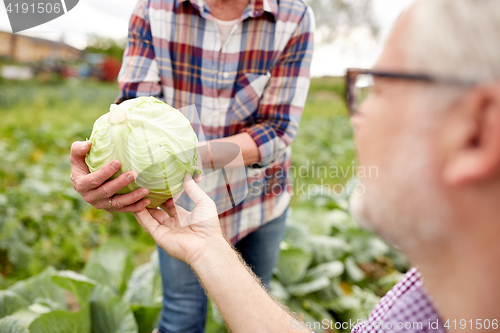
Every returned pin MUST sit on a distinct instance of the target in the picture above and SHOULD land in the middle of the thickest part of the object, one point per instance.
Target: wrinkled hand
(95, 188)
(184, 235)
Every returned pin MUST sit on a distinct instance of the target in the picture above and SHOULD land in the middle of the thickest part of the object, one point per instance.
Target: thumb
(80, 148)
(194, 192)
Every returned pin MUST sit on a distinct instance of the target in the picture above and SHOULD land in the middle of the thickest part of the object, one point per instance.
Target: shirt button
(225, 75)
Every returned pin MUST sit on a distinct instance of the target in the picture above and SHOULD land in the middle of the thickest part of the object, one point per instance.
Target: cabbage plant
(148, 137)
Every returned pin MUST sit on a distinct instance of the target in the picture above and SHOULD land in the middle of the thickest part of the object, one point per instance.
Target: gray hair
(456, 38)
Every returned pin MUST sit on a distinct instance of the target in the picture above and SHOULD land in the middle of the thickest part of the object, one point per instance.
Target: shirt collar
(254, 9)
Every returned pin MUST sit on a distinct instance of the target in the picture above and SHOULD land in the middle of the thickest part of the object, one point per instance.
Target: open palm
(182, 234)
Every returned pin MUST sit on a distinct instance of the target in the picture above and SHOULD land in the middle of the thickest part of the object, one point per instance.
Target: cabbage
(149, 137)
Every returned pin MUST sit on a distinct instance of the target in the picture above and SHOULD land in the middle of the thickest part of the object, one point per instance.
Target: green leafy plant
(101, 300)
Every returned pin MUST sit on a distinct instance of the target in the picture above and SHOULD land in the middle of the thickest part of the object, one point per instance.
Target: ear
(474, 155)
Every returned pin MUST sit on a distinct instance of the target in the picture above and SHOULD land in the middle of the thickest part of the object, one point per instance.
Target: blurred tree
(338, 18)
(105, 45)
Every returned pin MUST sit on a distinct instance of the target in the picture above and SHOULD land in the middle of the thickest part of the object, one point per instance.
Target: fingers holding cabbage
(150, 138)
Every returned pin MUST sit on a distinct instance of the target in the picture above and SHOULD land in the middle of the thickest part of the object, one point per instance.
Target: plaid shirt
(405, 308)
(257, 82)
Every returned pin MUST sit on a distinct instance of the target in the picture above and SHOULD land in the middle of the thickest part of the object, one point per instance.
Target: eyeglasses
(359, 84)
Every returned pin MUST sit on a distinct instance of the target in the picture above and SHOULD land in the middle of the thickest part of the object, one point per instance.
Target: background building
(21, 48)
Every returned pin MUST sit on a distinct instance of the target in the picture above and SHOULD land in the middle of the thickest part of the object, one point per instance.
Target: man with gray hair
(428, 116)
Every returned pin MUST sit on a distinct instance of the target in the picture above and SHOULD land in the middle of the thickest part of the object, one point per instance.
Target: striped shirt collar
(254, 9)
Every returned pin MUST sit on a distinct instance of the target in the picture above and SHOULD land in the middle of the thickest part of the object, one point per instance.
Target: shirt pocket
(249, 88)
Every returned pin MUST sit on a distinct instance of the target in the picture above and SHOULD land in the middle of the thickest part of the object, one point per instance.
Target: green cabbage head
(149, 137)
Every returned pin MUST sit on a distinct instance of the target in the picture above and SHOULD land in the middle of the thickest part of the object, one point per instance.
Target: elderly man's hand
(99, 192)
(184, 235)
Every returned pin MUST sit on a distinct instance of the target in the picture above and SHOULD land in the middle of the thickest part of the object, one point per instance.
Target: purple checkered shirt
(256, 82)
(405, 308)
